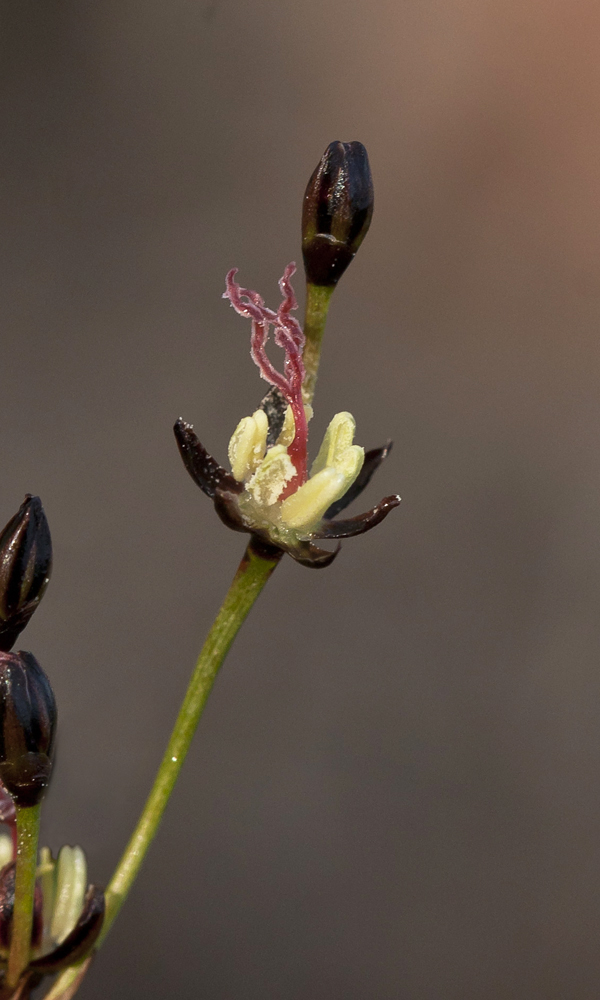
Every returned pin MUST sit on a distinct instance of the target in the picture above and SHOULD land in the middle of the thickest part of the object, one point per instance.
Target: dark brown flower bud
(25, 564)
(27, 727)
(337, 211)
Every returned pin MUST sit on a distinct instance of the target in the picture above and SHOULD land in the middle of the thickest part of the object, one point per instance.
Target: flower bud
(25, 564)
(337, 211)
(27, 727)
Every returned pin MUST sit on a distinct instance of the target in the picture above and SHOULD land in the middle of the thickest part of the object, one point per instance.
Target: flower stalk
(253, 572)
(318, 298)
(28, 825)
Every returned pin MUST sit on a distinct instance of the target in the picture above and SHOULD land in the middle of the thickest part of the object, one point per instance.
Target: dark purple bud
(25, 565)
(27, 727)
(337, 211)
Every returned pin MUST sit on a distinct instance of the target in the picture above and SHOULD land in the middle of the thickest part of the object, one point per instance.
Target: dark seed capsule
(337, 211)
(25, 565)
(27, 727)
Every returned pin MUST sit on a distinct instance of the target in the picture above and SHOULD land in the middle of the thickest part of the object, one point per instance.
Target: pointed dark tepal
(314, 557)
(358, 525)
(274, 405)
(81, 939)
(202, 467)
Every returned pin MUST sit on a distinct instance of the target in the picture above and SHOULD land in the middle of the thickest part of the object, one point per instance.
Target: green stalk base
(28, 826)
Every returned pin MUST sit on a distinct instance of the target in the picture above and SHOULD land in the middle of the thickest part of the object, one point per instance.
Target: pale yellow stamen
(305, 508)
(338, 438)
(271, 477)
(248, 445)
(6, 849)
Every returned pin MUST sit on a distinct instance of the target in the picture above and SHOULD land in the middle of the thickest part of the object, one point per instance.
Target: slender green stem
(254, 571)
(28, 826)
(318, 298)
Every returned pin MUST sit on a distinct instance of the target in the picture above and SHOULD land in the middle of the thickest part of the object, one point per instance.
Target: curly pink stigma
(289, 336)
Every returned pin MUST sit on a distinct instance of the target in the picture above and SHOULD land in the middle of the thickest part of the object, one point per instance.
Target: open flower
(270, 492)
(68, 913)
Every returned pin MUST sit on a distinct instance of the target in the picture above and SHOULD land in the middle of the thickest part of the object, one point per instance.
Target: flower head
(269, 492)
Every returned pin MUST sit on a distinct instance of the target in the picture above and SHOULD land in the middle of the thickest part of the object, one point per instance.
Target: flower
(68, 913)
(269, 492)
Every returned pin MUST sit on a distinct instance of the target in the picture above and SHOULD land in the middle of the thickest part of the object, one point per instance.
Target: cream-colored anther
(349, 463)
(305, 508)
(289, 427)
(288, 430)
(275, 470)
(71, 883)
(338, 437)
(248, 445)
(307, 505)
(6, 849)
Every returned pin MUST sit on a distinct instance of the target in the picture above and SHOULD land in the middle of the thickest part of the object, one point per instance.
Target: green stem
(28, 826)
(318, 298)
(254, 571)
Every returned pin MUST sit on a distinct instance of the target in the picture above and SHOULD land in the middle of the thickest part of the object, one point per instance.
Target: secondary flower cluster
(67, 913)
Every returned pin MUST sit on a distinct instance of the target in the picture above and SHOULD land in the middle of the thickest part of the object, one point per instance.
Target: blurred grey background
(395, 790)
